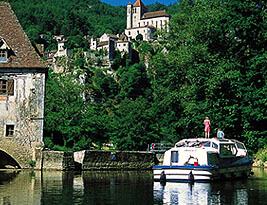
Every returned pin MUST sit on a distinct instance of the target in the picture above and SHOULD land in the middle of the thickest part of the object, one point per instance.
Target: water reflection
(67, 188)
(19, 188)
(182, 193)
(98, 188)
(240, 192)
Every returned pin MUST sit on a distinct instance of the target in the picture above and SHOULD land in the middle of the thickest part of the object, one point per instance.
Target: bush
(262, 155)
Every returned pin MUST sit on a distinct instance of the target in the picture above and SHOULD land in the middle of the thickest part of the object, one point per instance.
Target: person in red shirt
(207, 127)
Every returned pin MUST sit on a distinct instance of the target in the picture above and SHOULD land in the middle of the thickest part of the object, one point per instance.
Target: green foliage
(133, 82)
(131, 124)
(32, 163)
(73, 18)
(212, 62)
(213, 68)
(261, 155)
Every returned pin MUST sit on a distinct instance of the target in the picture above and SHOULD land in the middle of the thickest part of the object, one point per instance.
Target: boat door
(174, 157)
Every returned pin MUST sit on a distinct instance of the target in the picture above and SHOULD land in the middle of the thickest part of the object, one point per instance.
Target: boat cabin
(203, 151)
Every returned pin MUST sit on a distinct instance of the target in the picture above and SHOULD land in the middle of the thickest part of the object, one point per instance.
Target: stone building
(61, 56)
(124, 45)
(22, 89)
(109, 43)
(62, 51)
(142, 23)
(106, 43)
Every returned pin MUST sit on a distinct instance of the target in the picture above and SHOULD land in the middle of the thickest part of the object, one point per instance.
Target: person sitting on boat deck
(220, 133)
(207, 127)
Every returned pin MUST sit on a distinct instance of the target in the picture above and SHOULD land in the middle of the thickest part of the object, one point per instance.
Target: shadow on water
(6, 176)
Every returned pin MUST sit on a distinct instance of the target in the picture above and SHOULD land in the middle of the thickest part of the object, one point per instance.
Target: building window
(3, 56)
(6, 87)
(10, 130)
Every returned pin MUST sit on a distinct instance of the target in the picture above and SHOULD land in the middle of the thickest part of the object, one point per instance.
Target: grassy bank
(261, 158)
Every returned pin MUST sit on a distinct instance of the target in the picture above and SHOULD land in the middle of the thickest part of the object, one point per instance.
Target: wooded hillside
(72, 18)
(211, 63)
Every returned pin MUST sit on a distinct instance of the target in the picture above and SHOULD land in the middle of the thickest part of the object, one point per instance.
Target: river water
(125, 188)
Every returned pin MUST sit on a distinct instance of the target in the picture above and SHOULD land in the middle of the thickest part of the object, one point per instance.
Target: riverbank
(108, 160)
(260, 158)
(98, 160)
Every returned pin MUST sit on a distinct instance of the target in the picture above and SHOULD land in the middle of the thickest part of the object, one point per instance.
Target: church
(142, 24)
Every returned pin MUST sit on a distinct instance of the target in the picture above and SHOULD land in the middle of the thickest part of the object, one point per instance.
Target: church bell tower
(129, 16)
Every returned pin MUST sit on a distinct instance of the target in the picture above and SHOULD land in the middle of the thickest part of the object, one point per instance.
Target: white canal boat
(201, 159)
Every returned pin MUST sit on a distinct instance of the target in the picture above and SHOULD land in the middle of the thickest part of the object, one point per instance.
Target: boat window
(240, 145)
(214, 145)
(227, 150)
(206, 144)
(213, 159)
(174, 157)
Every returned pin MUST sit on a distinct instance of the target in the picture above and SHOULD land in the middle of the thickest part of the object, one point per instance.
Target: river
(125, 188)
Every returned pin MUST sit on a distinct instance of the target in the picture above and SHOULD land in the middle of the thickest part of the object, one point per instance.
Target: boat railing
(159, 147)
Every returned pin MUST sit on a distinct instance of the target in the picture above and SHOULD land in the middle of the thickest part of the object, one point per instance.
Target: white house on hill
(143, 23)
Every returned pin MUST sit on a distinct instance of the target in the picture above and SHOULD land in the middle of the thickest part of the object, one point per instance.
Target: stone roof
(112, 36)
(102, 43)
(155, 14)
(22, 54)
(123, 37)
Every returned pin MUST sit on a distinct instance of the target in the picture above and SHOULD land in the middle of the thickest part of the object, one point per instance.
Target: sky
(146, 2)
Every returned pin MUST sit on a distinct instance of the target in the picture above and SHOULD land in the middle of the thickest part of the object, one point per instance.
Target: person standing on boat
(220, 133)
(207, 127)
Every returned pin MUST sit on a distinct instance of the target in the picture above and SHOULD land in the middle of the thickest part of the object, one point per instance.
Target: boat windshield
(206, 144)
(240, 145)
(228, 150)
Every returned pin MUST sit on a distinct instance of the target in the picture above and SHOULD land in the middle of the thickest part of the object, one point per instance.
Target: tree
(212, 66)
(63, 110)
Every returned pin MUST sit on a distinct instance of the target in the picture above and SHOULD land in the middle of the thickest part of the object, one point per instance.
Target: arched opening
(139, 37)
(7, 162)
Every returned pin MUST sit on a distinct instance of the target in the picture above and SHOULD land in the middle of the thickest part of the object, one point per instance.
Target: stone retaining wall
(56, 160)
(98, 160)
(106, 160)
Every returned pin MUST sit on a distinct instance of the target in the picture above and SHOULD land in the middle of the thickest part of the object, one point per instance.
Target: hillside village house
(140, 25)
(22, 84)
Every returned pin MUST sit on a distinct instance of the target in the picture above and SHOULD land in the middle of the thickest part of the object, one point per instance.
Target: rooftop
(138, 3)
(22, 54)
(154, 14)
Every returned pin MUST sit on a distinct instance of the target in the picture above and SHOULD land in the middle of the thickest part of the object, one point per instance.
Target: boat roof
(195, 141)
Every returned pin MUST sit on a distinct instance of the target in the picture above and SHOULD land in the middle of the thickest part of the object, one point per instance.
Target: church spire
(138, 3)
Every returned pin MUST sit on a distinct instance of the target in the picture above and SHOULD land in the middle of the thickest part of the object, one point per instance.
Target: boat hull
(200, 173)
